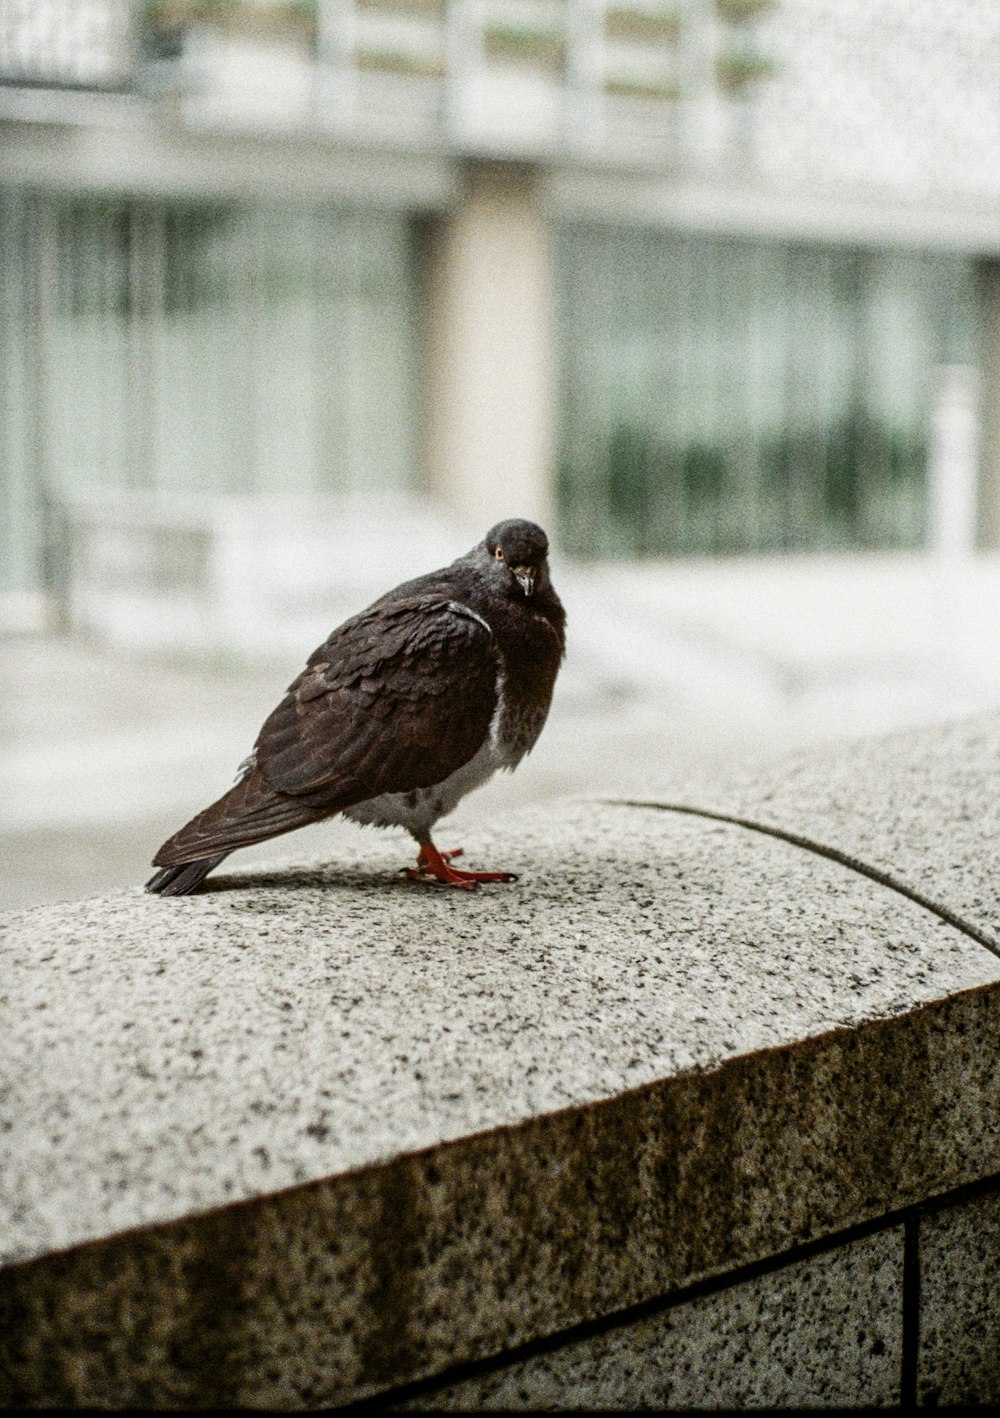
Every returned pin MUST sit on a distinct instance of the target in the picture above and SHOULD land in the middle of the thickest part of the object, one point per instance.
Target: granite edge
(603, 1206)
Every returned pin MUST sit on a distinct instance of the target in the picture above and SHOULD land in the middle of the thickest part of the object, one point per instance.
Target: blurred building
(673, 277)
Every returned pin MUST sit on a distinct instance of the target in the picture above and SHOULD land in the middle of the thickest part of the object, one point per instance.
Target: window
(721, 395)
(200, 348)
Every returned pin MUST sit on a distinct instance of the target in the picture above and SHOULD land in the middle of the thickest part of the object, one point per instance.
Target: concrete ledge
(320, 1135)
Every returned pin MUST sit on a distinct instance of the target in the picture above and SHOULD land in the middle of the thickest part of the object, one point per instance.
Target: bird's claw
(432, 868)
(429, 878)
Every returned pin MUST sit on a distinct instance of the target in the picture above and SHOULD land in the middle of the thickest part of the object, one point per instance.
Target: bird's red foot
(433, 865)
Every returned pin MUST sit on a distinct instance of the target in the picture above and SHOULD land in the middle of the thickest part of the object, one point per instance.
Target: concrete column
(989, 501)
(953, 465)
(489, 358)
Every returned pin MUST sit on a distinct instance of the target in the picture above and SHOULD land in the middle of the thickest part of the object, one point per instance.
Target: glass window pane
(724, 395)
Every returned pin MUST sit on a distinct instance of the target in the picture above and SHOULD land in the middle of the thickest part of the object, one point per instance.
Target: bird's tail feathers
(180, 880)
(250, 812)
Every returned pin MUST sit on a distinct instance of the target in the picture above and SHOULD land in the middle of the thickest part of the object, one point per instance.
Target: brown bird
(403, 710)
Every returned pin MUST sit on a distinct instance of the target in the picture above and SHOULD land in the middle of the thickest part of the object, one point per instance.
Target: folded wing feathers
(409, 691)
(250, 812)
(397, 698)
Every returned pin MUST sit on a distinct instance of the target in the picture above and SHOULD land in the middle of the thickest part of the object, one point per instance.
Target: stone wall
(703, 1110)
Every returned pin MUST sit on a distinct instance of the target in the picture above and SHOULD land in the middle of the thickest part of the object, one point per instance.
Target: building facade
(675, 278)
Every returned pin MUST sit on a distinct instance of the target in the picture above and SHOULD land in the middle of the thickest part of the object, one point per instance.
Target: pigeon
(404, 709)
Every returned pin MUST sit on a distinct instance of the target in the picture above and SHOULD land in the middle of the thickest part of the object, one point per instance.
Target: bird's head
(518, 556)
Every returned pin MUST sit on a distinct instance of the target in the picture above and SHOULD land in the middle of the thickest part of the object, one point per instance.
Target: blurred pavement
(671, 669)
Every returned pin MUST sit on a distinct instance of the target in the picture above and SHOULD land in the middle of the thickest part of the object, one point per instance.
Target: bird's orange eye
(499, 554)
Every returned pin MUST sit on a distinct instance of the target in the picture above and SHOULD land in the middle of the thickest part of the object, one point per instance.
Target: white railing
(622, 79)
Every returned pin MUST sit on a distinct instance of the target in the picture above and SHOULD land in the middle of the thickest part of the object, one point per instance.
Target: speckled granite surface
(817, 1334)
(922, 806)
(960, 1304)
(169, 1056)
(673, 1047)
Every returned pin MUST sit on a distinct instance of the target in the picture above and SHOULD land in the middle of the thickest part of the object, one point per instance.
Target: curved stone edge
(919, 804)
(988, 939)
(347, 1287)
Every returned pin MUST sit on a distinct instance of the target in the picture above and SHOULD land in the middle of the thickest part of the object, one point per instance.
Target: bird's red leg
(432, 863)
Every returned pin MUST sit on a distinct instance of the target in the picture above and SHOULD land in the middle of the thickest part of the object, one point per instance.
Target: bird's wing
(397, 698)
(250, 812)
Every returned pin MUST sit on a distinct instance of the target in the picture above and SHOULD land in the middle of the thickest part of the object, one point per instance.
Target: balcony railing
(67, 43)
(518, 78)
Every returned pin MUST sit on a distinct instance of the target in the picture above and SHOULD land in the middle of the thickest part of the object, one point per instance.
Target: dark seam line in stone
(911, 1312)
(832, 853)
(906, 1216)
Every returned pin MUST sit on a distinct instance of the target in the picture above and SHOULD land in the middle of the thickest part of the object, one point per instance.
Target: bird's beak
(525, 576)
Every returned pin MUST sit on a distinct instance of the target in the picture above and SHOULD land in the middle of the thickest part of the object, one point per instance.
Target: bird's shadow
(299, 879)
